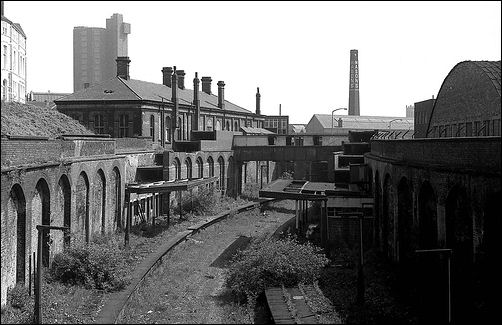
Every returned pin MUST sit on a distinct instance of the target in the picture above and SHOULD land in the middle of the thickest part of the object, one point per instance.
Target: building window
(99, 126)
(168, 129)
(152, 127)
(5, 56)
(331, 212)
(486, 128)
(468, 129)
(317, 140)
(123, 125)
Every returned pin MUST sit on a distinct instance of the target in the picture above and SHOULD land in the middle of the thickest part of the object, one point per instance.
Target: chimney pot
(166, 76)
(221, 94)
(206, 84)
(181, 78)
(123, 67)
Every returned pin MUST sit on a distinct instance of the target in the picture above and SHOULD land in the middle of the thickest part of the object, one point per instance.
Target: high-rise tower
(95, 50)
(354, 84)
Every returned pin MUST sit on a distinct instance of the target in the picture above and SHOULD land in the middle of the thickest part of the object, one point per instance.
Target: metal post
(360, 274)
(449, 289)
(128, 218)
(38, 309)
(296, 214)
(29, 278)
(168, 207)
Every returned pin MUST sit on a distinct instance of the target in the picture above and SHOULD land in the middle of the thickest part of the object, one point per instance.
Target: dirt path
(186, 289)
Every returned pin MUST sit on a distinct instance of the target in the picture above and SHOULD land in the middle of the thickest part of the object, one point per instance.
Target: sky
(296, 52)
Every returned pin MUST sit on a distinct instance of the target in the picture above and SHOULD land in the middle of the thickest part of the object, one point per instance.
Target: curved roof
(357, 122)
(474, 73)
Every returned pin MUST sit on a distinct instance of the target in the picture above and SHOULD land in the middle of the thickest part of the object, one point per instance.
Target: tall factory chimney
(354, 84)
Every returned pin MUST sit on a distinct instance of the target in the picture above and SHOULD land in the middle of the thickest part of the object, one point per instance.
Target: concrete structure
(410, 111)
(354, 84)
(95, 50)
(14, 54)
(439, 193)
(422, 114)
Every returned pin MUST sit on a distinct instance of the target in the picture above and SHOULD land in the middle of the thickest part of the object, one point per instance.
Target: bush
(274, 262)
(251, 191)
(201, 201)
(94, 265)
(18, 296)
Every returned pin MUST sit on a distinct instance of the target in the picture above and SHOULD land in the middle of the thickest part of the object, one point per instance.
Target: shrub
(251, 191)
(94, 265)
(18, 296)
(201, 201)
(274, 262)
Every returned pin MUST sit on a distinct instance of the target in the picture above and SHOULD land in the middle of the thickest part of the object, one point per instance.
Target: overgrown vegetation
(250, 191)
(274, 262)
(19, 307)
(94, 265)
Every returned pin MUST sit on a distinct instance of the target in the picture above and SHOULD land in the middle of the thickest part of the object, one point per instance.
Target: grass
(31, 120)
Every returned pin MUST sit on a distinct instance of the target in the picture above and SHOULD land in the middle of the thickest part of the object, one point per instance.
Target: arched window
(180, 130)
(82, 210)
(221, 181)
(63, 204)
(228, 126)
(117, 198)
(200, 167)
(209, 124)
(168, 129)
(152, 127)
(236, 126)
(188, 167)
(210, 163)
(17, 209)
(41, 213)
(218, 125)
(177, 168)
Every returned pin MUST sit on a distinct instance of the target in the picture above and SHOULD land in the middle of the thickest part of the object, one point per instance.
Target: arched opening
(459, 239)
(228, 126)
(17, 207)
(387, 216)
(230, 175)
(42, 213)
(117, 202)
(221, 181)
(177, 168)
(168, 129)
(427, 217)
(236, 126)
(100, 201)
(405, 239)
(179, 129)
(188, 167)
(82, 208)
(376, 212)
(200, 167)
(210, 164)
(64, 202)
(218, 125)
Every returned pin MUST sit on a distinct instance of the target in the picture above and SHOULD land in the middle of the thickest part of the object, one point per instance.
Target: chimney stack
(166, 76)
(258, 111)
(221, 94)
(206, 85)
(174, 99)
(196, 103)
(123, 67)
(279, 109)
(181, 78)
(354, 84)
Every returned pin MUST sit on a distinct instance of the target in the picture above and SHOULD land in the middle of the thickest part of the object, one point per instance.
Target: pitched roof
(15, 25)
(132, 89)
(365, 122)
(253, 130)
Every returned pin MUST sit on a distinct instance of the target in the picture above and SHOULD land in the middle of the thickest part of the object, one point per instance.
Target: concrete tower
(354, 84)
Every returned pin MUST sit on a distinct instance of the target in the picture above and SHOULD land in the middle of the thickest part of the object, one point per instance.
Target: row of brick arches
(28, 208)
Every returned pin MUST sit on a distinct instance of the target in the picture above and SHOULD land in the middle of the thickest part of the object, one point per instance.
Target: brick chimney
(206, 85)
(196, 103)
(221, 94)
(123, 67)
(258, 111)
(166, 76)
(181, 78)
(174, 100)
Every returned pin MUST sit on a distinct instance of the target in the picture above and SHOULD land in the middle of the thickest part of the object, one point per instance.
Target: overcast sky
(296, 52)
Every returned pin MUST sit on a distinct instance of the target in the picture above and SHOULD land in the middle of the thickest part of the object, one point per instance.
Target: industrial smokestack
(206, 84)
(196, 103)
(354, 84)
(258, 96)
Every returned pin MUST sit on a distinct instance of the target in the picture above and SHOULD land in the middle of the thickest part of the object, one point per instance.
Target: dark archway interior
(427, 217)
(43, 191)
(405, 222)
(64, 185)
(19, 207)
(387, 220)
(118, 204)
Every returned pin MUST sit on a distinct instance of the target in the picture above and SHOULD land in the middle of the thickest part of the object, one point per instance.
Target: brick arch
(221, 173)
(177, 168)
(116, 196)
(41, 214)
(16, 207)
(200, 167)
(188, 167)
(459, 237)
(210, 162)
(406, 243)
(62, 211)
(82, 192)
(427, 217)
(387, 215)
(98, 224)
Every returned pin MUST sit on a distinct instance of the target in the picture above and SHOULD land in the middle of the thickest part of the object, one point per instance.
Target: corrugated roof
(492, 71)
(252, 130)
(356, 122)
(133, 89)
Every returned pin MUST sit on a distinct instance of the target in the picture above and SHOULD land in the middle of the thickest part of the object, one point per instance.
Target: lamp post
(332, 117)
(396, 119)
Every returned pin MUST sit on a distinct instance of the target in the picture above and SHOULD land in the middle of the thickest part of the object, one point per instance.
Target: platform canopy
(169, 186)
(296, 190)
